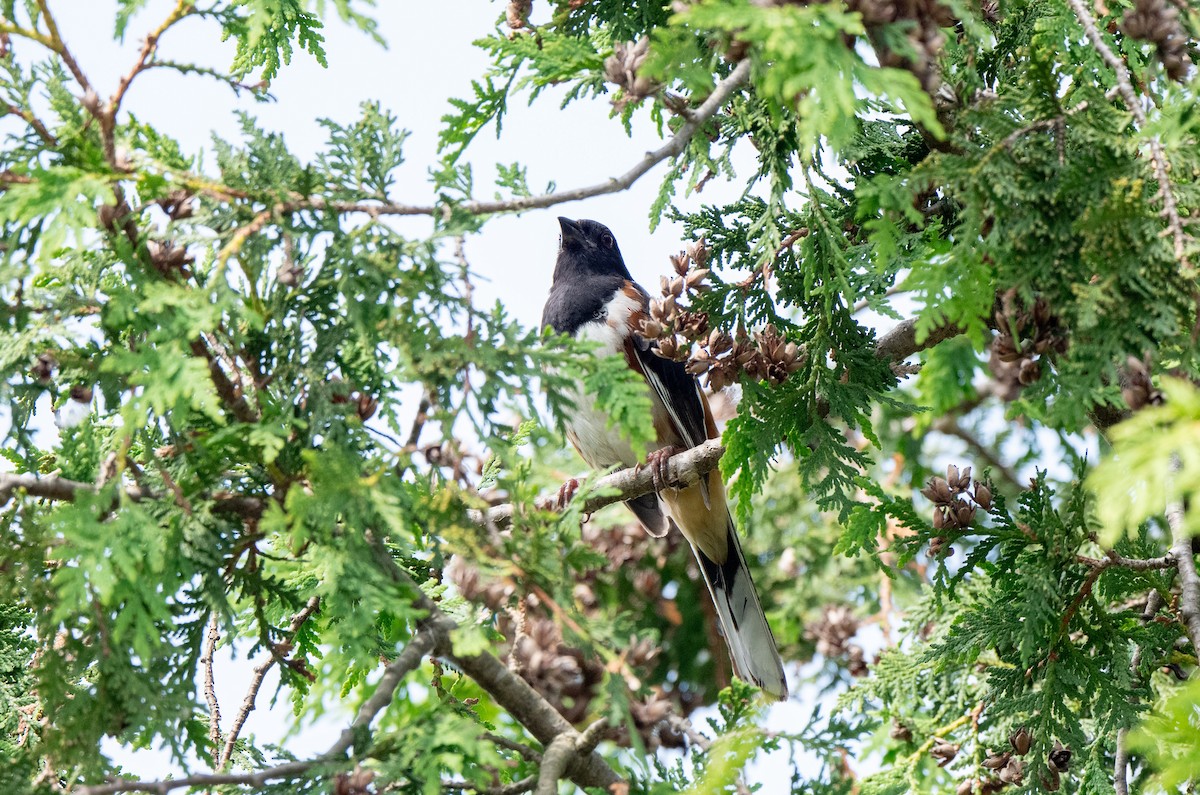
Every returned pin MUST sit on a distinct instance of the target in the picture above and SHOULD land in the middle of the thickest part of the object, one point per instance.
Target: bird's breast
(597, 439)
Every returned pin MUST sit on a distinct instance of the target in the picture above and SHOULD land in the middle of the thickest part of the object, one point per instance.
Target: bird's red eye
(607, 241)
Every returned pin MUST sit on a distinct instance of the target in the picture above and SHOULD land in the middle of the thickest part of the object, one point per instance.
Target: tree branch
(210, 687)
(1185, 563)
(1133, 564)
(231, 394)
(55, 43)
(671, 148)
(554, 763)
(37, 124)
(60, 489)
(433, 636)
(683, 469)
(1121, 757)
(901, 342)
(515, 788)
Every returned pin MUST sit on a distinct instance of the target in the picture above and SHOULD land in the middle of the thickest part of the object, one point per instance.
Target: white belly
(599, 441)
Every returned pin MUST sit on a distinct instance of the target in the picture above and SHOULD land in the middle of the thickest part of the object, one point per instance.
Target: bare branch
(515, 788)
(536, 714)
(33, 121)
(54, 42)
(901, 342)
(1134, 564)
(210, 687)
(671, 148)
(59, 489)
(554, 763)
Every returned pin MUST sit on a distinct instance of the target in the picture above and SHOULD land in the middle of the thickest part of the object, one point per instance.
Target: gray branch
(901, 342)
(683, 470)
(1185, 564)
(671, 148)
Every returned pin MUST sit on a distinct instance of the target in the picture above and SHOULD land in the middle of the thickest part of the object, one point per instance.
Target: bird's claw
(659, 464)
(566, 493)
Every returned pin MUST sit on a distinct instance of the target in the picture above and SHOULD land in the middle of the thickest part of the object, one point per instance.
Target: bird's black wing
(676, 388)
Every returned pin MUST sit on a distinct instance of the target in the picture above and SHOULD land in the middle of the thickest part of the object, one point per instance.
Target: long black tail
(751, 644)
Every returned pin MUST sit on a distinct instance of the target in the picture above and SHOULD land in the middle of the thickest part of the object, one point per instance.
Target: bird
(593, 297)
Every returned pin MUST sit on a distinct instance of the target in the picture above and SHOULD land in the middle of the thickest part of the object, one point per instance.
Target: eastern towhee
(593, 297)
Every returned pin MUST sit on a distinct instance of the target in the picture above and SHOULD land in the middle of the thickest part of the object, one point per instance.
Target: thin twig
(865, 303)
(515, 788)
(256, 681)
(182, 9)
(210, 687)
(681, 725)
(527, 753)
(55, 43)
(33, 121)
(671, 148)
(949, 425)
(1042, 124)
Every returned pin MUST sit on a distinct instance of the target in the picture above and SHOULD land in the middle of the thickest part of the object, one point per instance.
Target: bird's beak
(571, 231)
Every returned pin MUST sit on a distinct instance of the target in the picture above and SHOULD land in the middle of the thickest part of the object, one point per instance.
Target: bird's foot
(566, 493)
(659, 463)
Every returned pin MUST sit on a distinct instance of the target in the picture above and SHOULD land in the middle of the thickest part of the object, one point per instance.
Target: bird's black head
(588, 247)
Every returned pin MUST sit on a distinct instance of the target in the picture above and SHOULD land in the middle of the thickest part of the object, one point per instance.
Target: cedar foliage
(250, 343)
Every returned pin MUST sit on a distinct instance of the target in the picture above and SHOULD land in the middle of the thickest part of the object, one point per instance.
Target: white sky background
(429, 59)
